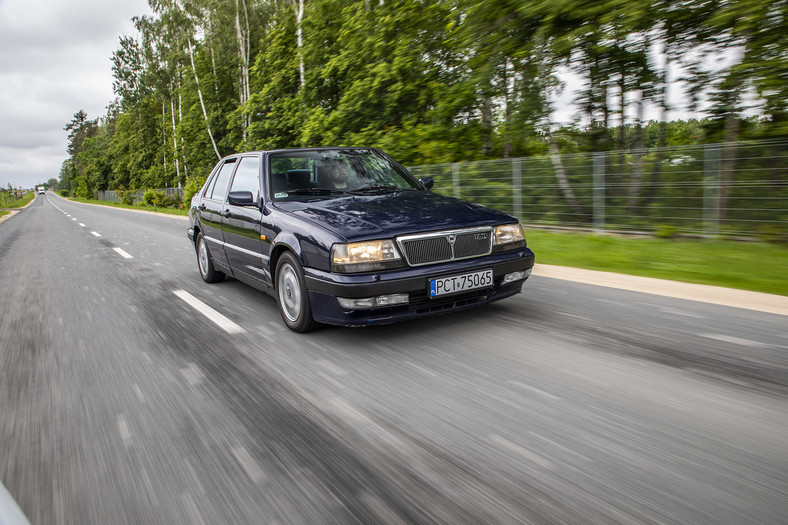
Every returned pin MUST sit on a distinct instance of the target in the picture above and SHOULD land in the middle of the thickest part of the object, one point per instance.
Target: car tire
(292, 295)
(208, 272)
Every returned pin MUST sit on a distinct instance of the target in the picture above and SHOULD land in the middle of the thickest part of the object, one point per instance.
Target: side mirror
(427, 182)
(241, 198)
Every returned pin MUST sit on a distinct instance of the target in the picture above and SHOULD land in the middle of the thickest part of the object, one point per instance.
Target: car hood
(375, 216)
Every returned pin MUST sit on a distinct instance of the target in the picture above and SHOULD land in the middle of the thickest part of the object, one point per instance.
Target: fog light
(516, 276)
(365, 303)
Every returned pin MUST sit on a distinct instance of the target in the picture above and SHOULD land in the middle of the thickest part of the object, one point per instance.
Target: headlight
(367, 256)
(508, 237)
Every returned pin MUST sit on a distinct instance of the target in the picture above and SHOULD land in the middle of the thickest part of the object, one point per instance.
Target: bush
(126, 196)
(64, 193)
(152, 196)
(665, 231)
(159, 199)
(193, 185)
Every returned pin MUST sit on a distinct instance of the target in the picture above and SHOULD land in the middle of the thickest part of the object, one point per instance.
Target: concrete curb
(761, 302)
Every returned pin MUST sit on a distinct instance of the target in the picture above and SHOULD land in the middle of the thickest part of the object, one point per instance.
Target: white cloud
(55, 59)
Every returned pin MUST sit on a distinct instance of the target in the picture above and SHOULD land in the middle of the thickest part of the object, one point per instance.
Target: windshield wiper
(316, 191)
(378, 187)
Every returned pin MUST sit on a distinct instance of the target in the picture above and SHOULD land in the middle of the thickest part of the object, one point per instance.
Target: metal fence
(137, 197)
(712, 189)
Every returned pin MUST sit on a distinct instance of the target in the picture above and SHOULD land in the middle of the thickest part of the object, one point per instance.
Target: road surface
(132, 392)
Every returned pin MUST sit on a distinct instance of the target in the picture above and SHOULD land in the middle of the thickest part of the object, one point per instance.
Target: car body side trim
(263, 258)
(214, 240)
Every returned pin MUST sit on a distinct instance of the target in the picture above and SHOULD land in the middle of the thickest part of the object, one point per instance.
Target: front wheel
(292, 295)
(208, 273)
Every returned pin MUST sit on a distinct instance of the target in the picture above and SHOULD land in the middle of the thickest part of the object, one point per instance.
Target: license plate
(461, 283)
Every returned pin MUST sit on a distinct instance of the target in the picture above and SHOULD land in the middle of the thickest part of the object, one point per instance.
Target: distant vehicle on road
(347, 236)
(41, 190)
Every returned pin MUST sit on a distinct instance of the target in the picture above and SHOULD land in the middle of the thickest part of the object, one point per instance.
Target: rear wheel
(292, 295)
(208, 273)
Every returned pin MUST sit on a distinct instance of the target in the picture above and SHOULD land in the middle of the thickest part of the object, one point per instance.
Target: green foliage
(64, 193)
(160, 199)
(126, 196)
(83, 190)
(665, 231)
(193, 185)
(429, 82)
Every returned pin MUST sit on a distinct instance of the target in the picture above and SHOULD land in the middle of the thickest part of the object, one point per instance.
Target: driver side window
(247, 177)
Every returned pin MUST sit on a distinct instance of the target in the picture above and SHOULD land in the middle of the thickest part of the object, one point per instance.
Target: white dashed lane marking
(123, 430)
(123, 253)
(221, 321)
(248, 464)
(736, 340)
(95, 234)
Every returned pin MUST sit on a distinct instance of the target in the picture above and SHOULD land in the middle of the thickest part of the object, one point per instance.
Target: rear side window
(222, 180)
(247, 177)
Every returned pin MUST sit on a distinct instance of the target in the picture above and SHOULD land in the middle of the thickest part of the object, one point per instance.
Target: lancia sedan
(347, 236)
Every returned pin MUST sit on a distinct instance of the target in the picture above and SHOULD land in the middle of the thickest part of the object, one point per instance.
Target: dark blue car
(347, 236)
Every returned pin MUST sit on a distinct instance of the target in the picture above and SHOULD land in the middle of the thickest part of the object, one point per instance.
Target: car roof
(292, 150)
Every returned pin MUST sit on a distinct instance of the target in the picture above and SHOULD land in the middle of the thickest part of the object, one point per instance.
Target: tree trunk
(487, 125)
(174, 137)
(507, 134)
(728, 164)
(637, 169)
(202, 103)
(300, 42)
(243, 54)
(656, 174)
(164, 137)
(563, 180)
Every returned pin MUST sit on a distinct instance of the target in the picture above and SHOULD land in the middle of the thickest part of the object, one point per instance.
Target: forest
(429, 81)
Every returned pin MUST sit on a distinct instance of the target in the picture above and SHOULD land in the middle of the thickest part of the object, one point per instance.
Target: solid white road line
(221, 321)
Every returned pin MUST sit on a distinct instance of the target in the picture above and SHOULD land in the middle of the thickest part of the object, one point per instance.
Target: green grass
(170, 211)
(4, 213)
(7, 202)
(752, 266)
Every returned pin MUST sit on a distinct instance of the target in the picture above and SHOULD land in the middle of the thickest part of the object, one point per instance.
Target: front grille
(446, 246)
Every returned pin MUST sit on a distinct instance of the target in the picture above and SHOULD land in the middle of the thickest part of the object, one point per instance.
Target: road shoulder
(762, 302)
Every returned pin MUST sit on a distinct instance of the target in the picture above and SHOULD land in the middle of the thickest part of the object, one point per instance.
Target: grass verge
(754, 266)
(169, 211)
(7, 202)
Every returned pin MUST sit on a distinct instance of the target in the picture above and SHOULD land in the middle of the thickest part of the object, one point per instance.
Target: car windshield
(330, 173)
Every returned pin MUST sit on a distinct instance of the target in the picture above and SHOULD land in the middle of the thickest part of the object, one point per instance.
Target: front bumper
(325, 287)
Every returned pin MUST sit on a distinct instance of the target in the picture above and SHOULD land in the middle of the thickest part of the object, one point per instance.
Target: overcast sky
(55, 59)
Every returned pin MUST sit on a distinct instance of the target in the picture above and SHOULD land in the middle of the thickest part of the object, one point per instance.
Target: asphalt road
(121, 402)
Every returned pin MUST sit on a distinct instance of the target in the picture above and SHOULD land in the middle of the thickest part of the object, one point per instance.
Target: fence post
(599, 191)
(517, 188)
(711, 189)
(455, 179)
